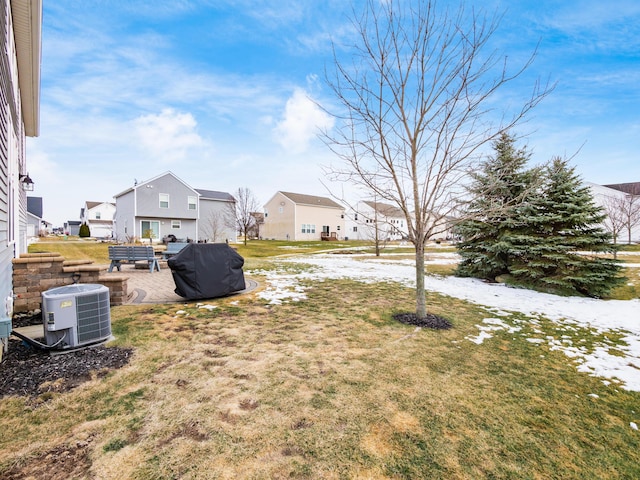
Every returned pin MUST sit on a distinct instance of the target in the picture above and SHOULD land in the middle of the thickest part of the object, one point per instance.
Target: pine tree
(84, 231)
(498, 191)
(558, 250)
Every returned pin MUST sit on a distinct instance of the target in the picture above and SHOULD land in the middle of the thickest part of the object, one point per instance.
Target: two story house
(369, 220)
(20, 34)
(99, 217)
(166, 205)
(296, 216)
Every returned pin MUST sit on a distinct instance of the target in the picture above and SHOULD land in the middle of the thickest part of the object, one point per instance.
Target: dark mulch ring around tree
(27, 371)
(430, 321)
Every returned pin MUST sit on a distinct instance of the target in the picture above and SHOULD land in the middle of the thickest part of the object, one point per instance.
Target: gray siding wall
(188, 228)
(148, 199)
(12, 162)
(217, 221)
(124, 217)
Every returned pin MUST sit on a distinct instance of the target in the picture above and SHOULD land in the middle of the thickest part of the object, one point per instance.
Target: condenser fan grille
(94, 320)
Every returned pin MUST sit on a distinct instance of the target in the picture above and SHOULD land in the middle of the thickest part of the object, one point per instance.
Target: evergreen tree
(558, 249)
(498, 191)
(84, 231)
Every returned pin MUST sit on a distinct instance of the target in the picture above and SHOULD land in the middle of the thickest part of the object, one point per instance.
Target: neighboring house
(35, 224)
(72, 227)
(99, 217)
(21, 34)
(367, 216)
(631, 188)
(295, 216)
(620, 200)
(165, 205)
(217, 222)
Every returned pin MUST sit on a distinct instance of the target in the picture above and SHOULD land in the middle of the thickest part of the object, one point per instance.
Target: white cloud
(169, 136)
(301, 122)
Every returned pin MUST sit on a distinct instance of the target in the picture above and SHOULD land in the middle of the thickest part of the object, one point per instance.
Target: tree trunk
(421, 301)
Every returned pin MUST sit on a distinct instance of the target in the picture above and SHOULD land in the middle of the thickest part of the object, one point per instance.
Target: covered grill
(207, 270)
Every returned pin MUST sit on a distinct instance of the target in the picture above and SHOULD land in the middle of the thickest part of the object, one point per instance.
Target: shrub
(84, 231)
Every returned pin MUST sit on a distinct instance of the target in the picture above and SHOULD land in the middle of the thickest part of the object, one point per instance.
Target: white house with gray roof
(368, 216)
(99, 217)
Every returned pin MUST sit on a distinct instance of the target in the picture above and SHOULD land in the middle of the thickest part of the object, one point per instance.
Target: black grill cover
(207, 270)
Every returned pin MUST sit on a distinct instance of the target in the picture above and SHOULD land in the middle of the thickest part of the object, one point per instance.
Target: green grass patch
(333, 387)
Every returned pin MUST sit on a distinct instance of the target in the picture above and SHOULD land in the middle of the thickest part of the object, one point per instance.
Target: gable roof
(140, 184)
(91, 205)
(632, 188)
(302, 199)
(385, 209)
(215, 195)
(34, 206)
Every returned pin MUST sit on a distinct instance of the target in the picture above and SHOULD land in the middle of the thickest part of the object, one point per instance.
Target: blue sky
(218, 92)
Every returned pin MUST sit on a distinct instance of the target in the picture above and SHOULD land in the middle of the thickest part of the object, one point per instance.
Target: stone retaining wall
(34, 273)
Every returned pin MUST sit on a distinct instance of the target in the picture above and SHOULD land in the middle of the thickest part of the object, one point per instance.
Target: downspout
(135, 211)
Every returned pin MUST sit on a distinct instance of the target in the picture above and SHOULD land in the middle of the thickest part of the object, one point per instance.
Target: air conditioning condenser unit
(76, 315)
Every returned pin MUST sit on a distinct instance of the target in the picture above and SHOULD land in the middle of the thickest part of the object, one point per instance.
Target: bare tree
(246, 205)
(614, 222)
(218, 223)
(629, 207)
(258, 219)
(416, 110)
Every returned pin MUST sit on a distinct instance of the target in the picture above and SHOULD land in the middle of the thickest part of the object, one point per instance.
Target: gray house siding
(217, 221)
(149, 194)
(6, 245)
(20, 29)
(124, 225)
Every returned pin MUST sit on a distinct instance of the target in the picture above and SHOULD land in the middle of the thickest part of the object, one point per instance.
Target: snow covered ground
(617, 362)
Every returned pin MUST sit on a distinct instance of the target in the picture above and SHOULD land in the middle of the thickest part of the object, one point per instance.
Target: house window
(280, 209)
(308, 228)
(176, 224)
(97, 215)
(338, 227)
(164, 200)
(355, 229)
(356, 218)
(192, 203)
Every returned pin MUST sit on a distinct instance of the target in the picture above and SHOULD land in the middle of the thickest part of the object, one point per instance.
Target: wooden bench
(173, 248)
(132, 254)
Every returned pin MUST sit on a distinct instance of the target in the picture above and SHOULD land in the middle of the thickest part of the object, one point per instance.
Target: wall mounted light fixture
(27, 183)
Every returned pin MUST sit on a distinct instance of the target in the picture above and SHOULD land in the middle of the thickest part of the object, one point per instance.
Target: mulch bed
(27, 371)
(430, 321)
